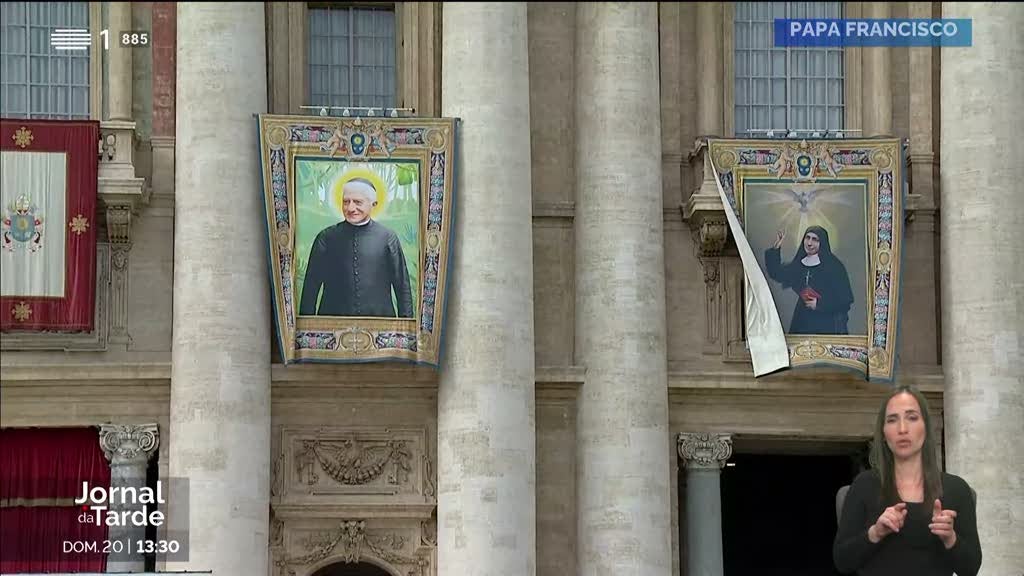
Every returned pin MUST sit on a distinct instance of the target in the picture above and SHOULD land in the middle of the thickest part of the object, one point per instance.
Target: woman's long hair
(882, 459)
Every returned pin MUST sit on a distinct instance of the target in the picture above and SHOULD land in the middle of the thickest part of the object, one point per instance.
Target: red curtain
(74, 312)
(38, 463)
(43, 464)
(43, 539)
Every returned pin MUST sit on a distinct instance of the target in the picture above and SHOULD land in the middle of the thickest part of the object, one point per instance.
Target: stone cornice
(320, 510)
(928, 379)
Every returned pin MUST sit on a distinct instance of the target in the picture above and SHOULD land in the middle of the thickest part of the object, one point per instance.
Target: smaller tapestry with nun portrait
(359, 221)
(823, 219)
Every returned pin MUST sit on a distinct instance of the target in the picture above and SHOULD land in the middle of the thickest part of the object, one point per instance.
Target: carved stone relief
(704, 450)
(129, 442)
(352, 494)
(351, 462)
(349, 541)
(121, 195)
(357, 461)
(428, 532)
(732, 279)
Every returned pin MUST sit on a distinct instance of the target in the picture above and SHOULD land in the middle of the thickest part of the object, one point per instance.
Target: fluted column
(128, 448)
(982, 220)
(876, 80)
(119, 59)
(220, 379)
(623, 497)
(704, 455)
(486, 517)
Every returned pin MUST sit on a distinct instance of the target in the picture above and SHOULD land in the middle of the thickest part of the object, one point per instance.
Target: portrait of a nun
(820, 280)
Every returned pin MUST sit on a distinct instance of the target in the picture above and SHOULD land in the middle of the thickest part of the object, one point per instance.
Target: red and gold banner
(48, 191)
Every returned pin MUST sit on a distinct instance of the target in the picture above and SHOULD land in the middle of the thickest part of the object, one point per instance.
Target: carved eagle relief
(351, 462)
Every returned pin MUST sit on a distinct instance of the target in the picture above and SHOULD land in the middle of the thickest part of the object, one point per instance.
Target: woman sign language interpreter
(906, 516)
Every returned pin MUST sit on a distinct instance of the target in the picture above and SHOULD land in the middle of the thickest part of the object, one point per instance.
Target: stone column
(876, 80)
(982, 247)
(710, 84)
(128, 447)
(220, 378)
(704, 455)
(922, 154)
(119, 60)
(623, 516)
(486, 517)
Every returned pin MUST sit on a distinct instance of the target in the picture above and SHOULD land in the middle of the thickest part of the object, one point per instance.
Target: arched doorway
(356, 569)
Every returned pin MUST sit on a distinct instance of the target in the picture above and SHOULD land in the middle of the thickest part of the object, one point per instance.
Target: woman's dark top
(914, 550)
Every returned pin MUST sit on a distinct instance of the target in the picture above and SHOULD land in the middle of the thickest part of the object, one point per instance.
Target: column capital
(126, 442)
(704, 450)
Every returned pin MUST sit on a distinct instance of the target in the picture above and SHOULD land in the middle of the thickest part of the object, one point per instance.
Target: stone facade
(556, 446)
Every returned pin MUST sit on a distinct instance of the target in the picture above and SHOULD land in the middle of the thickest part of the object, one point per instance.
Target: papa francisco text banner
(48, 189)
(359, 221)
(824, 220)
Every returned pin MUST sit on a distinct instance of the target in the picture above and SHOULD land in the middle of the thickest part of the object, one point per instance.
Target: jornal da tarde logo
(121, 506)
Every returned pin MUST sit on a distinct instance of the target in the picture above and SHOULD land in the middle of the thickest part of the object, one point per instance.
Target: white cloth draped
(766, 339)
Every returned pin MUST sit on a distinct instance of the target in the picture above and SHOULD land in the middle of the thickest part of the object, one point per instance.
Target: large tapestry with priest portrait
(359, 219)
(823, 220)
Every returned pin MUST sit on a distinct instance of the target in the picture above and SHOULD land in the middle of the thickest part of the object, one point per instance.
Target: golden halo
(365, 174)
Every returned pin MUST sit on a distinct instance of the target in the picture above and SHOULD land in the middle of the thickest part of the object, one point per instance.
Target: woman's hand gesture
(942, 525)
(890, 521)
(778, 239)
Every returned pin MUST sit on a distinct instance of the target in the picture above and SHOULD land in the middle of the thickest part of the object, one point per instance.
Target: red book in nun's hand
(808, 293)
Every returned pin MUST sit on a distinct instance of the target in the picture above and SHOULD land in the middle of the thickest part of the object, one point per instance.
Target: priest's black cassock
(358, 267)
(828, 278)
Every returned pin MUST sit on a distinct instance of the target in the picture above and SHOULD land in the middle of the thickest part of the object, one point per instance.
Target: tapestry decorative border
(406, 164)
(806, 170)
(26, 226)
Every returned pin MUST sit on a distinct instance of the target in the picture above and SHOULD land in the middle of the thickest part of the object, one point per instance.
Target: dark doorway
(359, 569)
(779, 513)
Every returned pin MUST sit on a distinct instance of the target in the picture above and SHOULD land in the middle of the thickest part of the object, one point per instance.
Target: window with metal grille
(787, 88)
(351, 56)
(36, 80)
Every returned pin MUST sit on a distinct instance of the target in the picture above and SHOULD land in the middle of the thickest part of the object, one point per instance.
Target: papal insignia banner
(48, 183)
(359, 222)
(824, 223)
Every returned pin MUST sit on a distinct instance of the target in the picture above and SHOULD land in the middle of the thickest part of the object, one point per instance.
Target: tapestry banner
(359, 221)
(48, 191)
(824, 221)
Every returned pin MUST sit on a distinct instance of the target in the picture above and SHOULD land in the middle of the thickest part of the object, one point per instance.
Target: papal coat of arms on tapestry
(22, 225)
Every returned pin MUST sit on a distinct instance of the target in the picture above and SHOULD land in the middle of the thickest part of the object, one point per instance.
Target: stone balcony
(120, 193)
